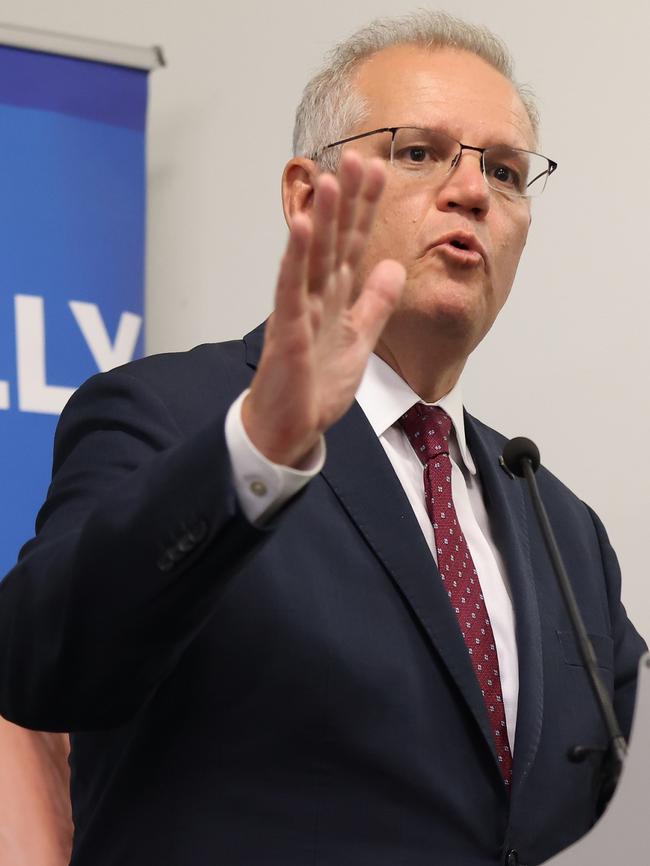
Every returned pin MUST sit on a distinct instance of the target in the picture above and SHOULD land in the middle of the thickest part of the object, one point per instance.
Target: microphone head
(516, 451)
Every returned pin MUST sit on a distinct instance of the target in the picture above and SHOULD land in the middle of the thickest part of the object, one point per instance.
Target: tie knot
(428, 429)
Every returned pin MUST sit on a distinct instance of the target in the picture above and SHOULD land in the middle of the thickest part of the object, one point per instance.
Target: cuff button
(258, 488)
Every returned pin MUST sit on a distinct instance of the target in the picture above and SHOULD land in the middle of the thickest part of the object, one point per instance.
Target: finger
(350, 175)
(339, 291)
(291, 290)
(322, 256)
(379, 297)
(372, 189)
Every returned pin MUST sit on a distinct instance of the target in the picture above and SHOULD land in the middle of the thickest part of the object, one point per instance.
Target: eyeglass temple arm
(551, 168)
(391, 129)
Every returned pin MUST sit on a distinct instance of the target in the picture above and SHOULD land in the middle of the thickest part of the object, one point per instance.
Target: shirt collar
(384, 397)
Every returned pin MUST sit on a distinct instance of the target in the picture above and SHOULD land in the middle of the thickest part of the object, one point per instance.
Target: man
(242, 595)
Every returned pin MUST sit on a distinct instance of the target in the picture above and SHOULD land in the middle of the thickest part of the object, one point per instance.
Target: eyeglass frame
(552, 165)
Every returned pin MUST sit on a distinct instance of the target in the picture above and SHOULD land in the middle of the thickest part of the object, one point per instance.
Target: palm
(318, 339)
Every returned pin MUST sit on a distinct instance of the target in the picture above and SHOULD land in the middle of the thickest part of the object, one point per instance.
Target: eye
(506, 176)
(422, 150)
(503, 174)
(416, 156)
(507, 169)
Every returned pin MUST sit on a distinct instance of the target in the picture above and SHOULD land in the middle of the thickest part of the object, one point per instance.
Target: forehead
(407, 85)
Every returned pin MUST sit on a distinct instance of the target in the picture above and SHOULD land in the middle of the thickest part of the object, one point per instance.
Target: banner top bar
(96, 50)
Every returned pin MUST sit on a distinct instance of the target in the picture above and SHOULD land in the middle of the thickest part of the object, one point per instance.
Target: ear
(298, 181)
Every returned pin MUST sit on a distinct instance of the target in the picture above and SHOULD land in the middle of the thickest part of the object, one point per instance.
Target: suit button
(165, 563)
(512, 858)
(185, 544)
(197, 533)
(176, 553)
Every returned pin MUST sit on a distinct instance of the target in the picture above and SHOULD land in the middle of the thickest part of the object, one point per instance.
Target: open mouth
(462, 247)
(465, 251)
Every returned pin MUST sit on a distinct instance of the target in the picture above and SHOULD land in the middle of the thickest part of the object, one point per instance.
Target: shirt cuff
(263, 487)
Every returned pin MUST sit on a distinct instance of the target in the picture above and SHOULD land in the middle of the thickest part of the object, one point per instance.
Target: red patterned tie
(428, 429)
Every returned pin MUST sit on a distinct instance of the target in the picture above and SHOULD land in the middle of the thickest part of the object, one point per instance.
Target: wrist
(283, 447)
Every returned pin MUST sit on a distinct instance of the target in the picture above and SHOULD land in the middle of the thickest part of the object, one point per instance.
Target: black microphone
(521, 458)
(518, 450)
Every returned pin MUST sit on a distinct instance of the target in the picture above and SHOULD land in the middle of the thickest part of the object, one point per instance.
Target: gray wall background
(567, 362)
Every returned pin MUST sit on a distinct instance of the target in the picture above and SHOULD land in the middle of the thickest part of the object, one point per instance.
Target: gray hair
(331, 105)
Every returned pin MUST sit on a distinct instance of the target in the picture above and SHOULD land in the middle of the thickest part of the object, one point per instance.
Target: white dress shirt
(263, 487)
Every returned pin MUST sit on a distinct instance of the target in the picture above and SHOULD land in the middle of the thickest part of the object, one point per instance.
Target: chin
(463, 313)
(452, 325)
(458, 325)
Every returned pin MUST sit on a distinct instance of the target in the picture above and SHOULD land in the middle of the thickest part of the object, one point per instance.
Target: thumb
(379, 296)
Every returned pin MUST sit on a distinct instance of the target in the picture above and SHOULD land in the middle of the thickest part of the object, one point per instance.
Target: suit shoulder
(192, 386)
(205, 360)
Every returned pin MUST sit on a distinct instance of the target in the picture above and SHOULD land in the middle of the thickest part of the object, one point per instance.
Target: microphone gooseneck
(521, 458)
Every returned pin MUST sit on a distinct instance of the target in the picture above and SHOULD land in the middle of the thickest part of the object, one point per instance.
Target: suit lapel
(361, 476)
(509, 511)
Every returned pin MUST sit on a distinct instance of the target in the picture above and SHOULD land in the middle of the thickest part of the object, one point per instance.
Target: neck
(431, 369)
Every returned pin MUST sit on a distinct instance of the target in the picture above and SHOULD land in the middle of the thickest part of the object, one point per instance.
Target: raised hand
(324, 325)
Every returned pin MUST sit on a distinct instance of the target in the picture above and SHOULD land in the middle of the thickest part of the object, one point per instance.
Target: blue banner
(72, 220)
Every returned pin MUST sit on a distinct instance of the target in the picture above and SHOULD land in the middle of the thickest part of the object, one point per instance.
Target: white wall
(567, 362)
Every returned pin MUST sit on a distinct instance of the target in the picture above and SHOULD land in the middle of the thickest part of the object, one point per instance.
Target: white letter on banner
(34, 394)
(106, 354)
(4, 395)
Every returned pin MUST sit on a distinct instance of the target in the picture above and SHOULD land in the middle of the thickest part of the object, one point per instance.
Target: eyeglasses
(424, 155)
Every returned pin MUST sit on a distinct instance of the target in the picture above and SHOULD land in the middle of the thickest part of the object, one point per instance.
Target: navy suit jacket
(297, 694)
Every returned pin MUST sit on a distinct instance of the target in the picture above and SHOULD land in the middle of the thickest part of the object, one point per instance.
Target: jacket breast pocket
(603, 648)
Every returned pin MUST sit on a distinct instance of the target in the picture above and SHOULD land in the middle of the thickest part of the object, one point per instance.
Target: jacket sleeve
(629, 646)
(139, 534)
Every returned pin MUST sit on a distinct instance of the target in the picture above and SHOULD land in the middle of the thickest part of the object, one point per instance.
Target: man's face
(458, 93)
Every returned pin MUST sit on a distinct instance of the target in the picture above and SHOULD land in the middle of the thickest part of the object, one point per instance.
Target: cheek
(512, 240)
(394, 235)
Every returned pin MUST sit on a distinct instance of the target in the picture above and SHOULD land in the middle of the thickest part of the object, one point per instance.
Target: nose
(464, 186)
